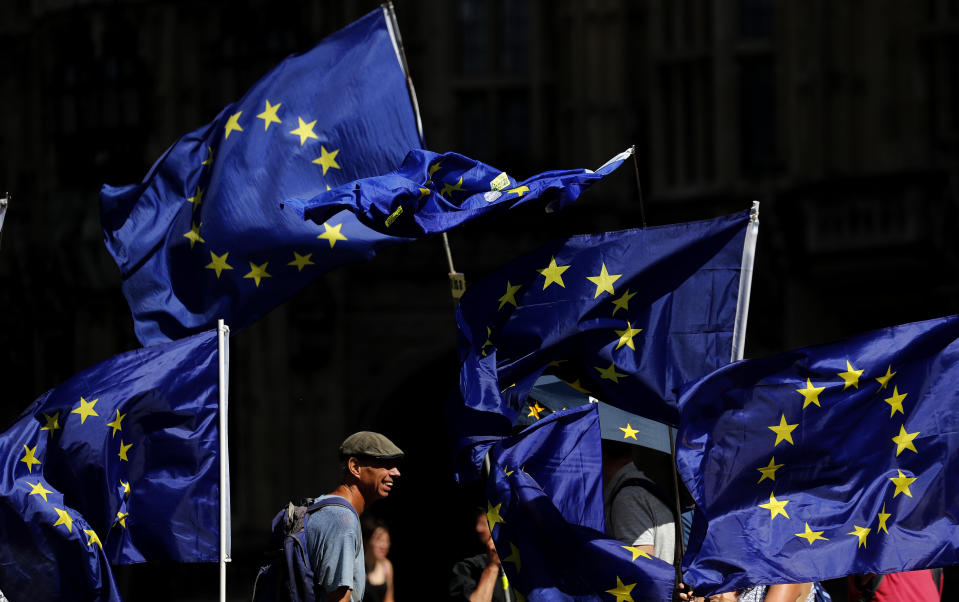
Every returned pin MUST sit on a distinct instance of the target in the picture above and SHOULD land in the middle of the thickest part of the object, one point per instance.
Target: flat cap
(370, 445)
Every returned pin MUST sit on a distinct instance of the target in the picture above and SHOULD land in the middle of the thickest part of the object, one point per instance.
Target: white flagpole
(223, 341)
(457, 279)
(745, 284)
(4, 202)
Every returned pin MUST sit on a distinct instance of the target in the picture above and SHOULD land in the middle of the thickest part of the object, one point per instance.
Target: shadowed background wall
(841, 117)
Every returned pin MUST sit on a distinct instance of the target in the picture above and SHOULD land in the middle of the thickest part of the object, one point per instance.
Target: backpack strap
(333, 500)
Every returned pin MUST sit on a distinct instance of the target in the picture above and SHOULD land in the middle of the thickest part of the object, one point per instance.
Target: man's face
(376, 476)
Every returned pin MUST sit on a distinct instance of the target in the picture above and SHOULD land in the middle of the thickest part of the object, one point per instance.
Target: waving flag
(203, 236)
(432, 192)
(119, 463)
(545, 512)
(826, 461)
(626, 316)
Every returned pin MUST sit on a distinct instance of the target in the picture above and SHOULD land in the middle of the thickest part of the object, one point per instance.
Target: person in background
(480, 578)
(924, 585)
(379, 569)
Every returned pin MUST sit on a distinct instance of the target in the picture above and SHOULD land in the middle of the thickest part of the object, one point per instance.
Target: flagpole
(223, 342)
(457, 280)
(745, 283)
(4, 203)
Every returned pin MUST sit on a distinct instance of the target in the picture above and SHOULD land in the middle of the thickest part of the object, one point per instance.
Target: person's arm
(389, 581)
(340, 594)
(490, 577)
(786, 592)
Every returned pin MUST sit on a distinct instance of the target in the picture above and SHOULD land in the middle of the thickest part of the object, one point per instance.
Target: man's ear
(353, 466)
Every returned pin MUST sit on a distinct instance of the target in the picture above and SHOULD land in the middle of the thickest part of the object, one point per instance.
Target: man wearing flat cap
(333, 538)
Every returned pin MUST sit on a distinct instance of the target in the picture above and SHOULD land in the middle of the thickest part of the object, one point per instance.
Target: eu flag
(545, 511)
(118, 463)
(626, 316)
(203, 236)
(432, 192)
(825, 461)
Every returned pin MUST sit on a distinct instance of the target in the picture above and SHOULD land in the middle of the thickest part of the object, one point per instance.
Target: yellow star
(610, 373)
(895, 402)
(775, 507)
(509, 296)
(38, 489)
(116, 423)
(902, 483)
(884, 380)
(851, 376)
(492, 515)
(626, 336)
(258, 272)
(86, 409)
(783, 431)
(435, 167)
(124, 449)
(194, 234)
(553, 273)
(448, 188)
(622, 302)
(218, 263)
(629, 431)
(535, 410)
(327, 159)
(577, 386)
(30, 458)
(332, 233)
(514, 557)
(269, 115)
(621, 591)
(305, 131)
(903, 440)
(519, 190)
(209, 156)
(65, 519)
(197, 197)
(861, 533)
(769, 471)
(811, 536)
(301, 261)
(122, 519)
(508, 471)
(233, 123)
(93, 538)
(604, 281)
(637, 552)
(488, 343)
(126, 489)
(883, 517)
(810, 394)
(423, 193)
(53, 422)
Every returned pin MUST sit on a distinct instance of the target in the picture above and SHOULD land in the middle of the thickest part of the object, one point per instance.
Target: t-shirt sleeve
(331, 545)
(636, 515)
(463, 581)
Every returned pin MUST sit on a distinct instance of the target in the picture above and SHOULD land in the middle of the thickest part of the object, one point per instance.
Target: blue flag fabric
(432, 192)
(825, 461)
(545, 511)
(626, 316)
(118, 463)
(203, 236)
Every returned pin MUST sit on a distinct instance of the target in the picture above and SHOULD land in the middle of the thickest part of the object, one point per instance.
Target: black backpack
(286, 575)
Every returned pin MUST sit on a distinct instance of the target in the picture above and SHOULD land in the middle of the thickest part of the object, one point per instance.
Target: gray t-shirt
(637, 517)
(334, 544)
